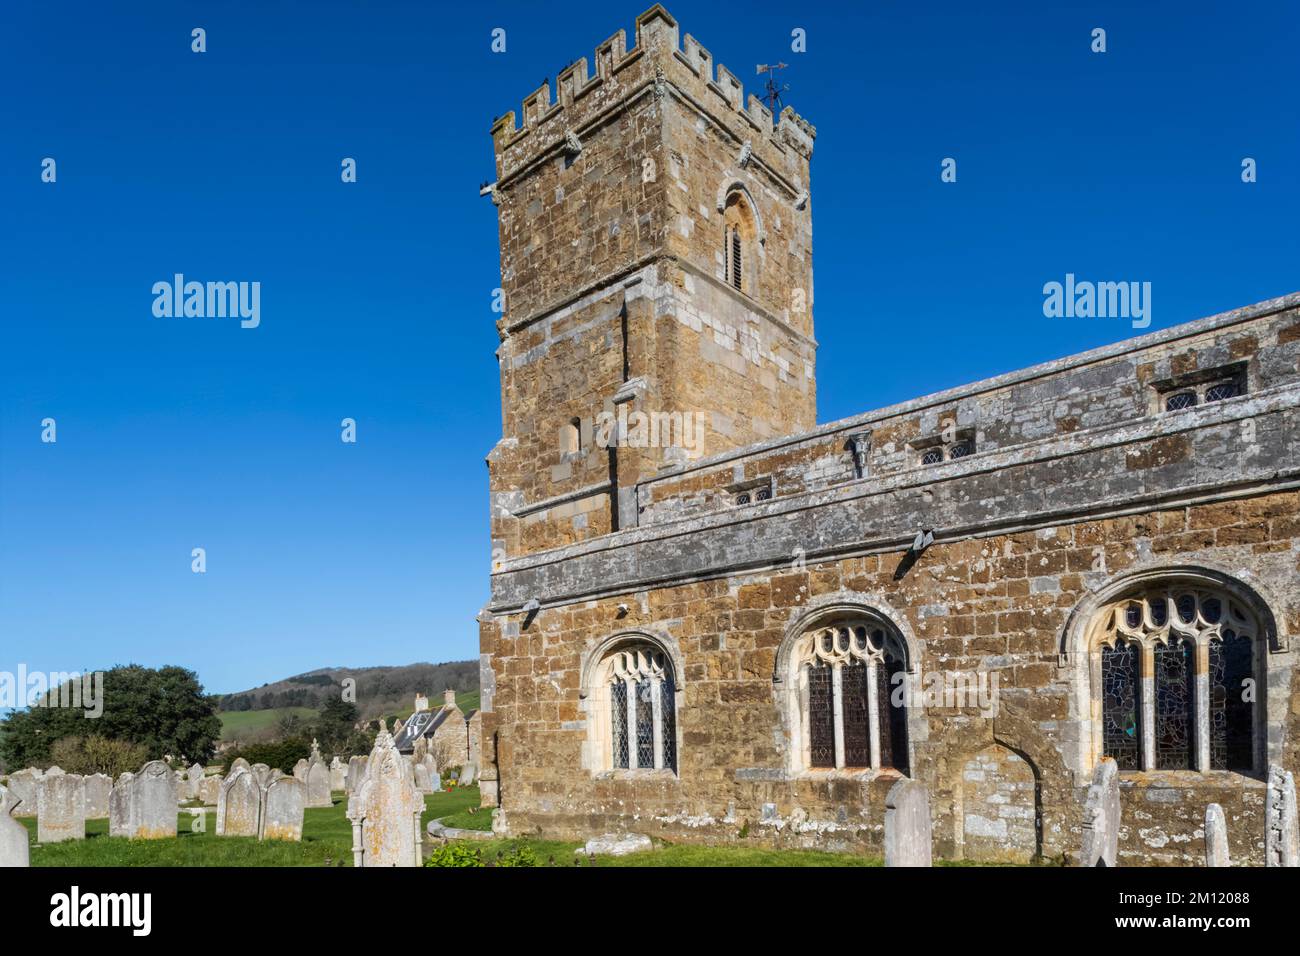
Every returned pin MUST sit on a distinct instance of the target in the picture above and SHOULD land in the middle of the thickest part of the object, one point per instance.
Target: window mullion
(837, 697)
(874, 709)
(656, 695)
(1148, 689)
(631, 724)
(1201, 717)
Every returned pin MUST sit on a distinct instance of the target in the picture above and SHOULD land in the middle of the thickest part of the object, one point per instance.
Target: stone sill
(635, 775)
(1189, 780)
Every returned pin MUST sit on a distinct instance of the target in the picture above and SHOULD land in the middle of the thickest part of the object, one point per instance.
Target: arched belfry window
(739, 235)
(633, 708)
(850, 696)
(1175, 679)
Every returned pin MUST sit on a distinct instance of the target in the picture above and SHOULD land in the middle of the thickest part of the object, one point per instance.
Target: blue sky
(376, 296)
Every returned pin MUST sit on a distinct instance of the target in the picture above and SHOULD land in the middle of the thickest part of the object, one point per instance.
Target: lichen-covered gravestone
(60, 807)
(154, 803)
(98, 786)
(1282, 839)
(385, 810)
(282, 809)
(318, 785)
(14, 850)
(907, 825)
(120, 820)
(1100, 845)
(24, 786)
(209, 790)
(1216, 837)
(239, 804)
(263, 774)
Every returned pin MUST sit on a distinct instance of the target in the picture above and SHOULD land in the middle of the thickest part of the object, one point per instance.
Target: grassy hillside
(240, 724)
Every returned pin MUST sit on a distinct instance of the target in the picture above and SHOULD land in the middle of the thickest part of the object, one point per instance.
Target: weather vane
(774, 91)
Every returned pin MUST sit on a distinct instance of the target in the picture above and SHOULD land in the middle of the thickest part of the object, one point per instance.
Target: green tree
(163, 709)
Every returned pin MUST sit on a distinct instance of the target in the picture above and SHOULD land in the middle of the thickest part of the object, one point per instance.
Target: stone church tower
(656, 264)
(712, 617)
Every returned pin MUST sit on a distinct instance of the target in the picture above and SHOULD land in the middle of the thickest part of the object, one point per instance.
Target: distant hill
(380, 691)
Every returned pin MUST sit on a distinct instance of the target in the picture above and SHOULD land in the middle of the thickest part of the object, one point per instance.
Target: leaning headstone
(1216, 837)
(1100, 844)
(318, 785)
(153, 802)
(14, 842)
(120, 820)
(97, 786)
(356, 772)
(60, 807)
(282, 806)
(907, 825)
(239, 805)
(1282, 839)
(209, 790)
(338, 774)
(385, 810)
(300, 770)
(24, 785)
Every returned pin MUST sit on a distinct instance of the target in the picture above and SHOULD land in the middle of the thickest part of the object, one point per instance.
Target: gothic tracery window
(637, 707)
(1176, 670)
(852, 706)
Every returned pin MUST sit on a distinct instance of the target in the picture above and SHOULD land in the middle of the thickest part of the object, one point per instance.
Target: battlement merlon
(658, 64)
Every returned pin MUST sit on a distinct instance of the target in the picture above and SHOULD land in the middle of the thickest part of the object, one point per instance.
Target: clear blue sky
(376, 297)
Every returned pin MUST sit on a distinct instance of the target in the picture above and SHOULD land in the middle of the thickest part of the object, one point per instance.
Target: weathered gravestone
(356, 772)
(468, 774)
(14, 850)
(98, 786)
(423, 782)
(318, 785)
(338, 774)
(385, 810)
(1282, 839)
(434, 777)
(907, 825)
(24, 786)
(239, 763)
(263, 774)
(209, 790)
(153, 802)
(282, 806)
(120, 821)
(1100, 844)
(193, 781)
(1216, 837)
(60, 807)
(239, 804)
(300, 770)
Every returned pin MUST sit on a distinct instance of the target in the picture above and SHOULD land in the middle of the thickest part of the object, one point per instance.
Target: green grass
(686, 855)
(235, 723)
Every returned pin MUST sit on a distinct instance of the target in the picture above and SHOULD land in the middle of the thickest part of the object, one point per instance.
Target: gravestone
(239, 804)
(209, 789)
(338, 774)
(240, 763)
(318, 785)
(263, 774)
(153, 802)
(434, 777)
(1282, 839)
(60, 807)
(385, 810)
(193, 781)
(282, 806)
(356, 771)
(300, 770)
(468, 774)
(1100, 844)
(98, 786)
(1216, 837)
(907, 825)
(120, 822)
(423, 782)
(14, 848)
(23, 787)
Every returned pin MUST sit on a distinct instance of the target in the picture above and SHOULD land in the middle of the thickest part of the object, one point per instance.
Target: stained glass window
(821, 715)
(1232, 716)
(1175, 690)
(857, 714)
(1121, 730)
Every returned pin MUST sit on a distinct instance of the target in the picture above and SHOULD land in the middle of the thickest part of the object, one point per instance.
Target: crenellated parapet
(659, 62)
